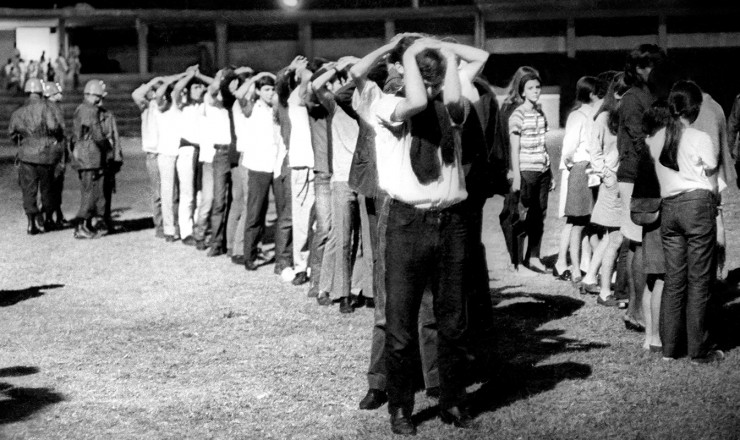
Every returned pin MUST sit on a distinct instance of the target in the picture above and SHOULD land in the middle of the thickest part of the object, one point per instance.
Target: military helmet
(51, 88)
(34, 85)
(95, 87)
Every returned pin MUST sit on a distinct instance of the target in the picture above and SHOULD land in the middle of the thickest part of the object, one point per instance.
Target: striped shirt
(530, 125)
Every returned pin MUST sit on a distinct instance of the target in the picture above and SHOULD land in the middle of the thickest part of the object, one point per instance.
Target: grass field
(129, 337)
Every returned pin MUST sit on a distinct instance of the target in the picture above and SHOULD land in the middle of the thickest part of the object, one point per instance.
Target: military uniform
(113, 161)
(39, 132)
(90, 151)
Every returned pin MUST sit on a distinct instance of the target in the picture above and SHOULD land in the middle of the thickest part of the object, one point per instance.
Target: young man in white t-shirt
(419, 166)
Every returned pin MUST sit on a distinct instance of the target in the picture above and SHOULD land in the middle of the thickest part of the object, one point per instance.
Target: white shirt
(577, 136)
(191, 123)
(696, 157)
(256, 137)
(149, 127)
(393, 149)
(169, 131)
(300, 154)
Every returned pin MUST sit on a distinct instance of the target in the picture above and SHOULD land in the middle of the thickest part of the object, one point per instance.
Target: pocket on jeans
(401, 216)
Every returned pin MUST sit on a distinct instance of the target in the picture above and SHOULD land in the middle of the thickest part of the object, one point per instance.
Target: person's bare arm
(416, 99)
(475, 58)
(139, 95)
(180, 85)
(361, 68)
(452, 94)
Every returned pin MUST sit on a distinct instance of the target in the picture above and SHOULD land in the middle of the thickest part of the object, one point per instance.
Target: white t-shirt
(256, 137)
(300, 154)
(393, 149)
(149, 127)
(696, 157)
(191, 123)
(169, 131)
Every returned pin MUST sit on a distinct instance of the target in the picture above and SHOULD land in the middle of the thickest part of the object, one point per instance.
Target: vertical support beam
(479, 36)
(390, 29)
(222, 50)
(415, 4)
(62, 35)
(305, 41)
(662, 32)
(142, 30)
(570, 38)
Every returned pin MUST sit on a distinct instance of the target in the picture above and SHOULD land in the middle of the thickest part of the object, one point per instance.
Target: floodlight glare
(289, 3)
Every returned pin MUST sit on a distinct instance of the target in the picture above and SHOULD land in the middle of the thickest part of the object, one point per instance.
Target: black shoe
(608, 302)
(189, 241)
(324, 299)
(49, 225)
(215, 252)
(201, 245)
(313, 291)
(82, 232)
(711, 356)
(238, 259)
(370, 303)
(300, 278)
(401, 422)
(374, 399)
(169, 238)
(32, 228)
(357, 301)
(250, 265)
(345, 306)
(456, 416)
(565, 276)
(633, 325)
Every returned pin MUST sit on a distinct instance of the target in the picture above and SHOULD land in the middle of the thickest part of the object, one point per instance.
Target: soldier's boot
(40, 223)
(32, 228)
(49, 224)
(61, 222)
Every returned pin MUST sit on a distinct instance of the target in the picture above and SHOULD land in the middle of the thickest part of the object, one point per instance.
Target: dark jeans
(535, 191)
(155, 188)
(322, 214)
(425, 247)
(377, 373)
(57, 187)
(92, 201)
(109, 187)
(257, 203)
(689, 232)
(219, 212)
(36, 179)
(284, 224)
(507, 219)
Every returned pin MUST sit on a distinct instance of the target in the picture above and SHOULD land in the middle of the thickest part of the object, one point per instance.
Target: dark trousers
(284, 225)
(322, 215)
(425, 248)
(219, 211)
(535, 190)
(92, 201)
(57, 186)
(109, 187)
(689, 232)
(426, 355)
(257, 203)
(480, 309)
(507, 219)
(35, 179)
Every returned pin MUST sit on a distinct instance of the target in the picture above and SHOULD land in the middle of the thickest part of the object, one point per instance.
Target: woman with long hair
(685, 159)
(607, 212)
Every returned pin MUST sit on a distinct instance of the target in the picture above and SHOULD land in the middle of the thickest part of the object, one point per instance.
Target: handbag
(645, 202)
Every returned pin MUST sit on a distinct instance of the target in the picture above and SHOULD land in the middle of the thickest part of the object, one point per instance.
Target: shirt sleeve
(515, 122)
(384, 108)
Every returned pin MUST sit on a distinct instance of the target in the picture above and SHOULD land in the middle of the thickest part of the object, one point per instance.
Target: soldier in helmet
(53, 95)
(38, 130)
(114, 156)
(90, 154)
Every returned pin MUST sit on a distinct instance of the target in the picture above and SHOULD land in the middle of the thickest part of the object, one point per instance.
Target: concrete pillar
(62, 35)
(390, 29)
(662, 32)
(305, 41)
(142, 30)
(479, 31)
(222, 51)
(570, 38)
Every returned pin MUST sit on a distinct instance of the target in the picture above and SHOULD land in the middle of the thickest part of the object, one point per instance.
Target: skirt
(563, 192)
(579, 201)
(608, 208)
(652, 248)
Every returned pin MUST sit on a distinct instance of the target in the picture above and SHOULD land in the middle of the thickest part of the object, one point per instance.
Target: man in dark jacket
(38, 131)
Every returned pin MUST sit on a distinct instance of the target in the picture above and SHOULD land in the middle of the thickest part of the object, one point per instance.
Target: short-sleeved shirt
(393, 156)
(257, 139)
(531, 126)
(149, 127)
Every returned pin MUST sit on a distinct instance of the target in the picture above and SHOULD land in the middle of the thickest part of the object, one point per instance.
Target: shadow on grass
(520, 345)
(17, 403)
(725, 329)
(132, 225)
(18, 371)
(11, 297)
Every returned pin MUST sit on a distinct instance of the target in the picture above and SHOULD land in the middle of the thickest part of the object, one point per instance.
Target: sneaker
(287, 274)
(711, 356)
